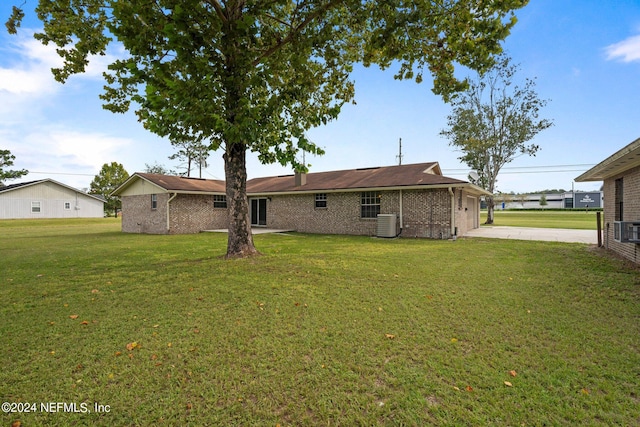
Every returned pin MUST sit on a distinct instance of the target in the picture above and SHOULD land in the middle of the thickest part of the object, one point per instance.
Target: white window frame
(220, 201)
(321, 201)
(67, 206)
(370, 204)
(36, 207)
(154, 202)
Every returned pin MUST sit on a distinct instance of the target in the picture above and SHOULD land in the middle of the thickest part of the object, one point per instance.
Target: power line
(62, 173)
(512, 170)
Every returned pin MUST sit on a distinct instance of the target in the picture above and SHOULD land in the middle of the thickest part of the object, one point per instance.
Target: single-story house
(415, 200)
(621, 175)
(47, 198)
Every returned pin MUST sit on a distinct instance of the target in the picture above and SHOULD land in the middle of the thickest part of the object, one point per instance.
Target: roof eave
(606, 168)
(472, 187)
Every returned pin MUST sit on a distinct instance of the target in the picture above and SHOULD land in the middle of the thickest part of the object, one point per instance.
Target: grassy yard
(321, 330)
(582, 220)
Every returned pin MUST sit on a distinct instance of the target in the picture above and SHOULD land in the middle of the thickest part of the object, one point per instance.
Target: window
(220, 201)
(369, 204)
(67, 206)
(619, 200)
(321, 200)
(35, 207)
(154, 201)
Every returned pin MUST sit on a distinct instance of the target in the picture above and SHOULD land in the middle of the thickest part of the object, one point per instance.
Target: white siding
(17, 203)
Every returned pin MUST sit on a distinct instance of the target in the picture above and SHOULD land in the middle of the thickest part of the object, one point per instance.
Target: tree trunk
(490, 208)
(240, 241)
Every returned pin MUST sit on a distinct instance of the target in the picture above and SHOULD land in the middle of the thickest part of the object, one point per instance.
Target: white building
(567, 200)
(47, 198)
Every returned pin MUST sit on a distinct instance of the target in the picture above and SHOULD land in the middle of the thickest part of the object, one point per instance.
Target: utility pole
(399, 156)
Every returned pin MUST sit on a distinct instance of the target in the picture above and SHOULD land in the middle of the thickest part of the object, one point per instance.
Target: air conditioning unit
(387, 225)
(626, 231)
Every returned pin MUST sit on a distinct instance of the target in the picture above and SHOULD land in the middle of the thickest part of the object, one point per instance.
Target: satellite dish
(473, 175)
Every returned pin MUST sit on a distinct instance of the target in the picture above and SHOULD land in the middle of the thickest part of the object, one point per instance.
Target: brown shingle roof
(184, 184)
(412, 175)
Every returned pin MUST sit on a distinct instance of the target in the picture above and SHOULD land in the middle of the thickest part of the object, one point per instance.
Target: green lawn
(321, 330)
(583, 220)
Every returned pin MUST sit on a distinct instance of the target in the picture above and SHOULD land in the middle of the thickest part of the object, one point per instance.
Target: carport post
(599, 219)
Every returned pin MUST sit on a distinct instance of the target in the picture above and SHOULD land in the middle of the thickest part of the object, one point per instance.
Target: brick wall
(426, 213)
(341, 216)
(188, 213)
(192, 213)
(139, 217)
(631, 211)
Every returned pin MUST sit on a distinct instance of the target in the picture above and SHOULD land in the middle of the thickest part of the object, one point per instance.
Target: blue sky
(584, 55)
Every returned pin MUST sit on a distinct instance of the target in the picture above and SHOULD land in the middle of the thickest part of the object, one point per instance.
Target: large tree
(6, 160)
(254, 75)
(109, 178)
(493, 122)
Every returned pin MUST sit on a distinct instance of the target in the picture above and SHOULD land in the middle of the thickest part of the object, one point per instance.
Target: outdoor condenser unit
(626, 231)
(387, 225)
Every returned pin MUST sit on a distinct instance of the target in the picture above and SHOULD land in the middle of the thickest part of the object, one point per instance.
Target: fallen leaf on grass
(454, 340)
(132, 345)
(94, 291)
(118, 353)
(508, 384)
(390, 336)
(584, 391)
(16, 423)
(84, 322)
(468, 388)
(74, 316)
(513, 373)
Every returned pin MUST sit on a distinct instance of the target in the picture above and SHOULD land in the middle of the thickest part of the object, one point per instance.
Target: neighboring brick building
(621, 175)
(416, 198)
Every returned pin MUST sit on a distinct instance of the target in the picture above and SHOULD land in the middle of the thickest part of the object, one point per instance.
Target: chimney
(301, 179)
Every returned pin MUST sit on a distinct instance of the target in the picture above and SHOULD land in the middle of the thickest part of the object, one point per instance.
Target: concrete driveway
(545, 234)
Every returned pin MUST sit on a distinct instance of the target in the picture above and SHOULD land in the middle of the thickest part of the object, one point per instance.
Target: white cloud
(30, 71)
(31, 74)
(70, 156)
(75, 149)
(628, 50)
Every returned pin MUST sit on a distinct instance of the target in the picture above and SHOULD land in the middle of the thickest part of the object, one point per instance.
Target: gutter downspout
(401, 224)
(168, 219)
(453, 212)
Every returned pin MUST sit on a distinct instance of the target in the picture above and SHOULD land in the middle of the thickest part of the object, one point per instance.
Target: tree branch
(218, 8)
(296, 30)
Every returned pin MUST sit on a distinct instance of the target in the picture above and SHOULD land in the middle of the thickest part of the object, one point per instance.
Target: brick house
(621, 175)
(416, 200)
(163, 204)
